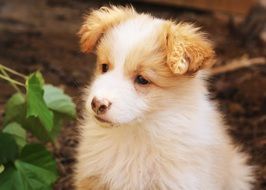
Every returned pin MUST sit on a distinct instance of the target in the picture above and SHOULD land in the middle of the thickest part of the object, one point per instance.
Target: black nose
(100, 106)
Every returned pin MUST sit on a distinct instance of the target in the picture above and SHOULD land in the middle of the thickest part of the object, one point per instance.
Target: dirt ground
(41, 35)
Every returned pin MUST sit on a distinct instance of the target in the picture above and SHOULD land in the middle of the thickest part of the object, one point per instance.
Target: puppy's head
(144, 64)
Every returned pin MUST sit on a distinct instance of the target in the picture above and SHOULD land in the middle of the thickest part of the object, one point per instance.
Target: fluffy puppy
(149, 124)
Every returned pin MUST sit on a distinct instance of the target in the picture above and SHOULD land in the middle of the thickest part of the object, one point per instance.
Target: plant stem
(11, 80)
(2, 67)
(12, 84)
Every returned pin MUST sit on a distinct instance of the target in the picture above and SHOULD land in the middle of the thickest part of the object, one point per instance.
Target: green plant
(36, 110)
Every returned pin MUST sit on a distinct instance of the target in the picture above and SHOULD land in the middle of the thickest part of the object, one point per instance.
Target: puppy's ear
(99, 21)
(187, 48)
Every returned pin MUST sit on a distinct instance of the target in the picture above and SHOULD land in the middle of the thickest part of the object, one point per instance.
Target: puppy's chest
(128, 154)
(131, 160)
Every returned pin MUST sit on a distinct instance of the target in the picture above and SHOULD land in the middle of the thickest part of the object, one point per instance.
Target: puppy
(149, 124)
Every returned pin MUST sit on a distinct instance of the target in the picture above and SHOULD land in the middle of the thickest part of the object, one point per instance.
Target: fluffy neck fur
(135, 153)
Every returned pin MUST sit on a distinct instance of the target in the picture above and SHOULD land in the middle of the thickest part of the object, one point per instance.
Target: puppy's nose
(100, 106)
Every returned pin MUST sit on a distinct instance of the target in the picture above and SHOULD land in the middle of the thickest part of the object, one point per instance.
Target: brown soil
(41, 35)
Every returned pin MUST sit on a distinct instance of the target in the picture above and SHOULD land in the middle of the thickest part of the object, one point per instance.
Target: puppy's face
(144, 64)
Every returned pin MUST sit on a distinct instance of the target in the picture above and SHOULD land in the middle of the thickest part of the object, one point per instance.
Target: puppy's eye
(104, 68)
(141, 80)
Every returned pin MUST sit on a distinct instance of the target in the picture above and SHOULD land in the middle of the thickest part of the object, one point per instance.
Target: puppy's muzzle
(100, 106)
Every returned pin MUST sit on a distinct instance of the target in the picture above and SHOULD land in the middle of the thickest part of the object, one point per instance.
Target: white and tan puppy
(149, 124)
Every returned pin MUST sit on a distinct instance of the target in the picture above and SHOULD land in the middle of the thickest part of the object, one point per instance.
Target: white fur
(181, 144)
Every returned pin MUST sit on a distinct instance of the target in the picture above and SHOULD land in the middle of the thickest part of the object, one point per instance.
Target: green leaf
(10, 179)
(58, 122)
(8, 148)
(2, 168)
(15, 108)
(34, 177)
(58, 101)
(34, 125)
(17, 132)
(36, 170)
(37, 155)
(15, 111)
(25, 176)
(36, 106)
(40, 77)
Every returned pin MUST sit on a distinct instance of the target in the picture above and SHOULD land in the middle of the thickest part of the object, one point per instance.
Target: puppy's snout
(100, 106)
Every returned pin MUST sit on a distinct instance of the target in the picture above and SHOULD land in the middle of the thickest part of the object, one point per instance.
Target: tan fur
(91, 183)
(99, 21)
(188, 49)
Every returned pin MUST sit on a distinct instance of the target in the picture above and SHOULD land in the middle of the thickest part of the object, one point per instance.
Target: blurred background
(41, 35)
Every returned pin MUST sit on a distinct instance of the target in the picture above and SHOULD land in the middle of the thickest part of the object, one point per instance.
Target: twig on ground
(238, 64)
